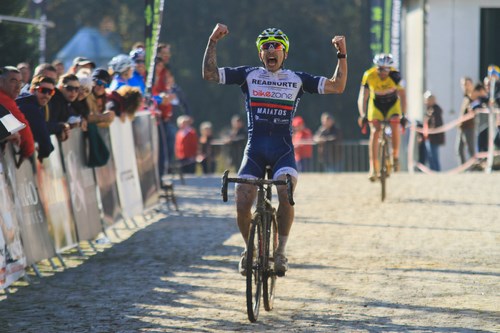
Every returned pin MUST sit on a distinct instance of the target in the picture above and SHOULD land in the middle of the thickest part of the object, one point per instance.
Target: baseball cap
(101, 74)
(81, 61)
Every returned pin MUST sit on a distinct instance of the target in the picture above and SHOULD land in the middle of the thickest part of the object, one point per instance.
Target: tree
(187, 24)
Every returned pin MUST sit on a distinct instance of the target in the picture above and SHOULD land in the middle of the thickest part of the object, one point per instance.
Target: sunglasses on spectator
(101, 83)
(71, 88)
(272, 45)
(45, 91)
(383, 69)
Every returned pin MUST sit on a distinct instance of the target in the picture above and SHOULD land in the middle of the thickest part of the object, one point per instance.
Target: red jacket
(27, 141)
(302, 150)
(186, 143)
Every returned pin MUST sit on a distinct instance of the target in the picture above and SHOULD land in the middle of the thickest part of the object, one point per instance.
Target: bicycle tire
(254, 268)
(269, 276)
(383, 167)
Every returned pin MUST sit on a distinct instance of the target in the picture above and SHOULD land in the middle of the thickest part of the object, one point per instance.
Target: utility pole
(42, 25)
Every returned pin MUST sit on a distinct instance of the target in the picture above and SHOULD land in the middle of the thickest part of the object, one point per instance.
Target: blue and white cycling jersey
(271, 100)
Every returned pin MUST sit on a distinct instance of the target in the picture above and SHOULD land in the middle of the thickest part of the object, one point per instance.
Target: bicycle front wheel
(254, 268)
(269, 276)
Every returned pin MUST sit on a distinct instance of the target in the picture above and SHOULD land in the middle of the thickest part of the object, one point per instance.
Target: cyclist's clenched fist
(339, 43)
(219, 32)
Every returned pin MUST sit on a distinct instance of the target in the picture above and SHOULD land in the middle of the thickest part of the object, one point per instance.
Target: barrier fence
(327, 156)
(51, 206)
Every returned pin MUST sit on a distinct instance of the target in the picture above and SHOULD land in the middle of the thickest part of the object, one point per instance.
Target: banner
(55, 199)
(385, 28)
(12, 258)
(153, 14)
(29, 210)
(127, 178)
(82, 187)
(108, 190)
(147, 157)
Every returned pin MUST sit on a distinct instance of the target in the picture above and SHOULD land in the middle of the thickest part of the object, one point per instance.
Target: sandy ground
(426, 260)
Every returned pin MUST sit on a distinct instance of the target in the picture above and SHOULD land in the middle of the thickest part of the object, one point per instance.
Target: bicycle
(384, 157)
(263, 238)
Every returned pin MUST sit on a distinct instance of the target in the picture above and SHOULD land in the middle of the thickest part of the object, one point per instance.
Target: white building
(444, 40)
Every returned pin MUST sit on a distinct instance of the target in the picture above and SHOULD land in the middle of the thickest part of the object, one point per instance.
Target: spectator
(81, 105)
(478, 100)
(98, 114)
(301, 141)
(166, 128)
(483, 126)
(47, 70)
(62, 115)
(206, 154)
(422, 150)
(433, 119)
(33, 107)
(44, 69)
(186, 144)
(237, 141)
(466, 130)
(97, 153)
(139, 75)
(328, 137)
(81, 62)
(10, 87)
(59, 66)
(25, 70)
(124, 102)
(122, 67)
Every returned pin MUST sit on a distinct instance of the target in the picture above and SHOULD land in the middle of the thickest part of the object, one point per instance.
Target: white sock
(282, 244)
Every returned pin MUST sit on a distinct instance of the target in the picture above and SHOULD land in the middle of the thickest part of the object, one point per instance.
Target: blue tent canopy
(90, 43)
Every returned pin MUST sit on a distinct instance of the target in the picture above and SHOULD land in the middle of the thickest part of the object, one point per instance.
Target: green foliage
(187, 24)
(16, 40)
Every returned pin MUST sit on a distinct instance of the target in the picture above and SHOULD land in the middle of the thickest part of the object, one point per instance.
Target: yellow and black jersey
(383, 93)
(377, 86)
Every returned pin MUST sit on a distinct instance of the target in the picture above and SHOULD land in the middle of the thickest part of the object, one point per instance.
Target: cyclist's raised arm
(210, 70)
(336, 84)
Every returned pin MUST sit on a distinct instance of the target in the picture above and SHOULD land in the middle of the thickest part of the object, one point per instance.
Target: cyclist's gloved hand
(403, 121)
(362, 121)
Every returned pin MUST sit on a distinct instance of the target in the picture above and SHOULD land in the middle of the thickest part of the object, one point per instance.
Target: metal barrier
(345, 156)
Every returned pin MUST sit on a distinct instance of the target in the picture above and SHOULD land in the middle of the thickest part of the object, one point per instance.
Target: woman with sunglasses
(271, 94)
(97, 99)
(33, 105)
(382, 96)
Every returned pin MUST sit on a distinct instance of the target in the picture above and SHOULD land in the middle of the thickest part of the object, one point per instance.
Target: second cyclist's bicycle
(262, 242)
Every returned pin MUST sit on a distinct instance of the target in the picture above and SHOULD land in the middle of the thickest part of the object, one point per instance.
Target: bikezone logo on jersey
(271, 94)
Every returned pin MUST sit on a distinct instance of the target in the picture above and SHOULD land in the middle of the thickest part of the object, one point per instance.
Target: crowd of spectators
(51, 100)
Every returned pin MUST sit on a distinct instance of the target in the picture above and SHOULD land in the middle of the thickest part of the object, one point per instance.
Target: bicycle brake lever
(223, 189)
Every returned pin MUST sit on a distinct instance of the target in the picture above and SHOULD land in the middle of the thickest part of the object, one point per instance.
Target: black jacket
(35, 114)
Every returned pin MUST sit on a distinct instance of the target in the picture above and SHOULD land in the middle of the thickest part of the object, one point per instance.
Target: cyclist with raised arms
(382, 95)
(271, 94)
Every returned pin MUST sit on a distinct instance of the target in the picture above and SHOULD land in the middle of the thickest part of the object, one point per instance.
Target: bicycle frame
(260, 274)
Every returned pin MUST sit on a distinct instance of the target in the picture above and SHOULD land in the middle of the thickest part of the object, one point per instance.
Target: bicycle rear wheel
(383, 166)
(254, 268)
(269, 276)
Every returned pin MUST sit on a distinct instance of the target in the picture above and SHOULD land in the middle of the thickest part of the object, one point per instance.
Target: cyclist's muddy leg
(245, 196)
(395, 139)
(375, 131)
(285, 214)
